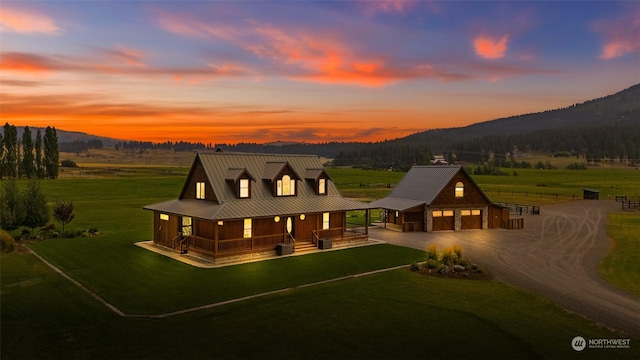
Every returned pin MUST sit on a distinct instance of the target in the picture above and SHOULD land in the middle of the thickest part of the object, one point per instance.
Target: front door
(289, 226)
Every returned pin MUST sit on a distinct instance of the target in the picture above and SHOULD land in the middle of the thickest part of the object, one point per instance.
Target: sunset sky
(314, 71)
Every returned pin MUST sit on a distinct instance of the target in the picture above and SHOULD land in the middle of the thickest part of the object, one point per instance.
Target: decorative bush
(431, 264)
(7, 242)
(414, 267)
(432, 252)
(443, 269)
(457, 249)
(449, 257)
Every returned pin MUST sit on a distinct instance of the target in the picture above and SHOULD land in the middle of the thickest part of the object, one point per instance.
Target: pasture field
(621, 266)
(396, 314)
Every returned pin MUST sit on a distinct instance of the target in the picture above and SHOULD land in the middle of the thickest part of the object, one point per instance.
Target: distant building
(439, 160)
(237, 203)
(433, 198)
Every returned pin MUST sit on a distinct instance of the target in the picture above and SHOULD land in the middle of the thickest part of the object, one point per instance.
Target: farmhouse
(239, 203)
(432, 198)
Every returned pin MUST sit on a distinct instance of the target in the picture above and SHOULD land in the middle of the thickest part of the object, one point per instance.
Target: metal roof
(424, 183)
(220, 166)
(396, 204)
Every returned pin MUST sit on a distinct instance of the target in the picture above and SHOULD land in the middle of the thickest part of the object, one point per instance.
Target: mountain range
(620, 110)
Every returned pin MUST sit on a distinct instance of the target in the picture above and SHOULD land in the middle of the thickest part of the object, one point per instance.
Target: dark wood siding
(305, 228)
(472, 195)
(203, 228)
(196, 175)
(496, 215)
(164, 230)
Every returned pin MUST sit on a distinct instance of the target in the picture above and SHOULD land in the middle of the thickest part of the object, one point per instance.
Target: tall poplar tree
(38, 157)
(10, 159)
(51, 154)
(28, 167)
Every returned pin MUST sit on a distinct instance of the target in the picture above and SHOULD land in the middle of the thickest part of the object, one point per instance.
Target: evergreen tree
(11, 206)
(35, 206)
(51, 154)
(10, 159)
(38, 157)
(28, 167)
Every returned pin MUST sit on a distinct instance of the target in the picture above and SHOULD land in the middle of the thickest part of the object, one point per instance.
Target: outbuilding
(434, 198)
(590, 194)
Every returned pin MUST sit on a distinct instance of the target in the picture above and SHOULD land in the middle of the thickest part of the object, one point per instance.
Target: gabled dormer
(240, 180)
(318, 178)
(198, 186)
(281, 178)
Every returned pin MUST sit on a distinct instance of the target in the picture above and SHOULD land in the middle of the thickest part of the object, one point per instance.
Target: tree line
(26, 157)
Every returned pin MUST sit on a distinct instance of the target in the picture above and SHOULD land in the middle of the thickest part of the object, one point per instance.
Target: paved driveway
(556, 256)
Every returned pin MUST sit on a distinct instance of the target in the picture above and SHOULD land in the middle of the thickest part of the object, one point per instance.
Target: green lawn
(397, 314)
(621, 266)
(392, 315)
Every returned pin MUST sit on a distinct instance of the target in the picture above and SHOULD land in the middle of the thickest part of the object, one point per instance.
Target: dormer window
(244, 188)
(281, 178)
(240, 180)
(200, 190)
(318, 179)
(286, 186)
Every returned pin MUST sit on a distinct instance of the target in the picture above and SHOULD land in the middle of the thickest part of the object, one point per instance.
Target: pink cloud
(621, 36)
(26, 21)
(490, 48)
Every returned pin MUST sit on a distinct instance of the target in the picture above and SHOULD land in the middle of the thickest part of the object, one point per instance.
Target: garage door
(443, 220)
(471, 219)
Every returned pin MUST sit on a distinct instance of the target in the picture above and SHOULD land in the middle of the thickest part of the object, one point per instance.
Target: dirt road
(556, 256)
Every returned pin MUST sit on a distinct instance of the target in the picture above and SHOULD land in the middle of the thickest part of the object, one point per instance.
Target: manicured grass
(621, 266)
(392, 315)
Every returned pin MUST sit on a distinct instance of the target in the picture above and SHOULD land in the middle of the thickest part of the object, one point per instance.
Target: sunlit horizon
(314, 72)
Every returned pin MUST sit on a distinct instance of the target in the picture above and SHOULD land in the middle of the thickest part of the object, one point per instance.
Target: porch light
(220, 222)
(276, 219)
(303, 216)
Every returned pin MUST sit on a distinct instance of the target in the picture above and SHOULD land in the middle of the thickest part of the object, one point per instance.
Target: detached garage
(445, 197)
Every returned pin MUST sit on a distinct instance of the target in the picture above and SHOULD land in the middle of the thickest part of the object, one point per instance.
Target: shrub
(449, 257)
(432, 252)
(414, 267)
(443, 269)
(69, 163)
(457, 249)
(431, 264)
(7, 242)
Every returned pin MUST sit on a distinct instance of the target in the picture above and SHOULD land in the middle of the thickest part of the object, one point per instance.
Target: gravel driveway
(556, 255)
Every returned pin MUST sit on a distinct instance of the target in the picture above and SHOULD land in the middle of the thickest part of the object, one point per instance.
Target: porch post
(366, 223)
(215, 239)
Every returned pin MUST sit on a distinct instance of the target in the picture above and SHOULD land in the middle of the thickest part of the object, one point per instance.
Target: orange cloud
(23, 62)
(489, 48)
(26, 21)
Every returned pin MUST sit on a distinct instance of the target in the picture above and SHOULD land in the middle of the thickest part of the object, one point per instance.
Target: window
(437, 213)
(459, 189)
(465, 212)
(247, 229)
(286, 186)
(244, 188)
(164, 217)
(322, 186)
(186, 226)
(447, 213)
(325, 221)
(200, 190)
(475, 212)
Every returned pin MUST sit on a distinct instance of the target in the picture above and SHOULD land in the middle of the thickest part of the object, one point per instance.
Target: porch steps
(303, 246)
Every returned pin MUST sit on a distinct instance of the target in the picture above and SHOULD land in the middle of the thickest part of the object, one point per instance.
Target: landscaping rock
(459, 268)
